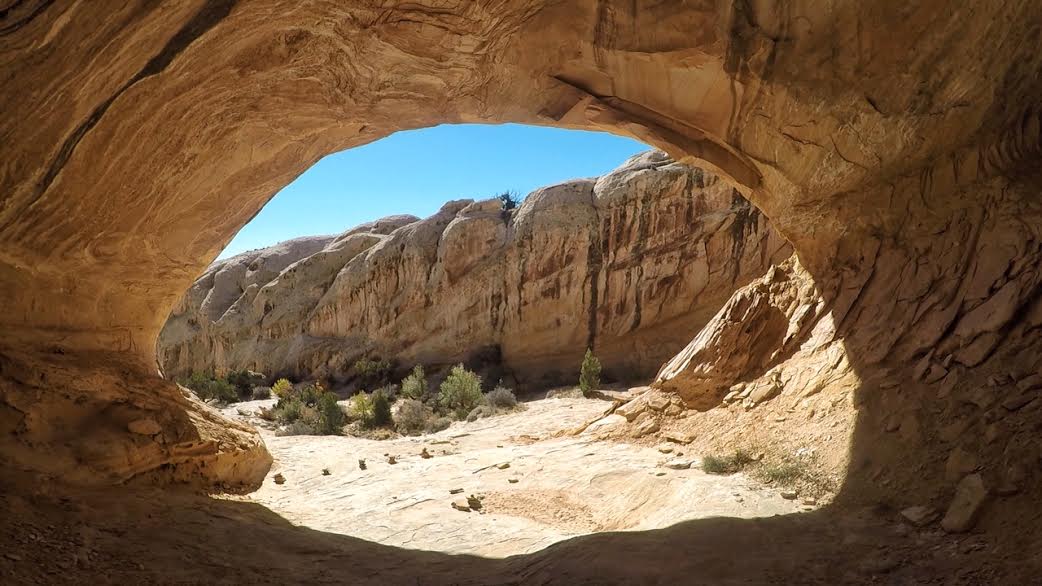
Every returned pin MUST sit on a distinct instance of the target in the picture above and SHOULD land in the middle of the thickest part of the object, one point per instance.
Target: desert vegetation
(412, 408)
(237, 385)
(788, 471)
(589, 373)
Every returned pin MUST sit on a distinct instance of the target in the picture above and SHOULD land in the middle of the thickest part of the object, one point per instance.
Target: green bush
(288, 410)
(311, 393)
(281, 388)
(244, 381)
(372, 373)
(412, 417)
(260, 393)
(414, 386)
(312, 407)
(333, 419)
(362, 408)
(209, 388)
(460, 392)
(501, 398)
(589, 373)
(381, 408)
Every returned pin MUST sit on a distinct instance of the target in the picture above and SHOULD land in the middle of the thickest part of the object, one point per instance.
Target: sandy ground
(393, 524)
(563, 486)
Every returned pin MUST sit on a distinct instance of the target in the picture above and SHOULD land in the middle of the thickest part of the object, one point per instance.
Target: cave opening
(431, 282)
(895, 148)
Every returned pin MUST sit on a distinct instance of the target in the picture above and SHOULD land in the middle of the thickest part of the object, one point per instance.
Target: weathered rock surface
(629, 264)
(895, 145)
(970, 496)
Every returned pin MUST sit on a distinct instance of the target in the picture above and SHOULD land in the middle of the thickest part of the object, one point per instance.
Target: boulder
(633, 409)
(970, 497)
(679, 437)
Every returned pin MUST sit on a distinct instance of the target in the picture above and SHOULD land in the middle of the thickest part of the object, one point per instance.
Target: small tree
(381, 408)
(460, 391)
(332, 416)
(589, 373)
(414, 386)
(509, 200)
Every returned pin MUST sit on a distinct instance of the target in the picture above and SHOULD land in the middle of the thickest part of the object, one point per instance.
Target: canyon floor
(538, 483)
(582, 511)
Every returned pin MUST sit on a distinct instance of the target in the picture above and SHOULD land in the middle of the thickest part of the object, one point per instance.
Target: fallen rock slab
(679, 437)
(970, 496)
(921, 515)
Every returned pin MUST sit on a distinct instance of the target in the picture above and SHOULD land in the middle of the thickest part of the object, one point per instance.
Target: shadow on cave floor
(130, 536)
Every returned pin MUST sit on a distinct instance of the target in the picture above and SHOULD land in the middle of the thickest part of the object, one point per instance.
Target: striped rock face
(629, 264)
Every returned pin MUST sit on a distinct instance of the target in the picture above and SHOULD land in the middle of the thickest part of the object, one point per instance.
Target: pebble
(789, 495)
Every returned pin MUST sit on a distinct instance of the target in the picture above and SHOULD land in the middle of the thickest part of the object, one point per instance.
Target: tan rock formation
(894, 144)
(628, 264)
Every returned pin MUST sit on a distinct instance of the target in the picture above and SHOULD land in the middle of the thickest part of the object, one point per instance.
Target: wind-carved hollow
(900, 166)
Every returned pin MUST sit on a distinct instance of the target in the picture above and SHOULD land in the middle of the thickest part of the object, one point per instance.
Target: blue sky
(414, 172)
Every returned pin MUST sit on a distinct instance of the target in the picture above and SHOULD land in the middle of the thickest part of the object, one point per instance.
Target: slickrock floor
(565, 485)
(393, 524)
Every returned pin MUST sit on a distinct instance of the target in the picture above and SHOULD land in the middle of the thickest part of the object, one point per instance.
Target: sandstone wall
(895, 145)
(629, 264)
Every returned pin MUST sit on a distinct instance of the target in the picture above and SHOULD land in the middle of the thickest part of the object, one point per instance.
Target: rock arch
(893, 145)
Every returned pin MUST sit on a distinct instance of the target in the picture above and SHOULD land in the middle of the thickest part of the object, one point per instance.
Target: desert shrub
(299, 428)
(311, 393)
(726, 464)
(209, 388)
(460, 392)
(436, 424)
(310, 405)
(372, 373)
(244, 381)
(589, 373)
(381, 408)
(196, 381)
(501, 398)
(288, 410)
(783, 473)
(412, 417)
(259, 393)
(281, 388)
(362, 408)
(509, 200)
(414, 386)
(332, 417)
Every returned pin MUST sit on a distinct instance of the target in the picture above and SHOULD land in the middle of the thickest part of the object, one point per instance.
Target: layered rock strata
(628, 264)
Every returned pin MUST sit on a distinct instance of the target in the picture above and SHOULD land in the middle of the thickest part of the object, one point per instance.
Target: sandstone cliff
(630, 264)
